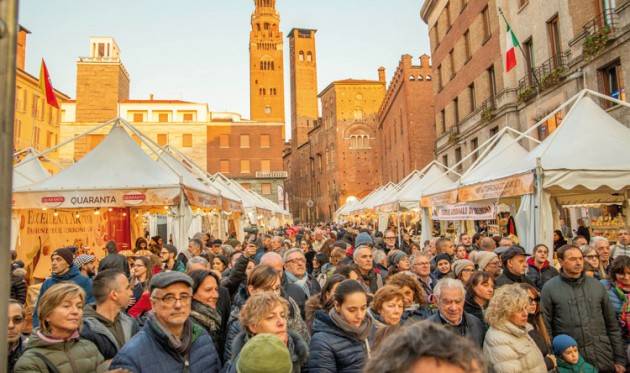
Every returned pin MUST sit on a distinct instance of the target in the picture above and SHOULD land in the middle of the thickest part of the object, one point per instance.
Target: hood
(38, 340)
(532, 263)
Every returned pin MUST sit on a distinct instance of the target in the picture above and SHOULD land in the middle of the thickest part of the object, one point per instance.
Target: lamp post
(8, 42)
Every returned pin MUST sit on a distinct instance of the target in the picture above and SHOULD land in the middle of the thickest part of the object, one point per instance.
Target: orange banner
(440, 199)
(512, 186)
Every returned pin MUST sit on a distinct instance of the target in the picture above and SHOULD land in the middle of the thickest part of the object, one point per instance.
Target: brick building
(247, 151)
(406, 130)
(475, 97)
(36, 124)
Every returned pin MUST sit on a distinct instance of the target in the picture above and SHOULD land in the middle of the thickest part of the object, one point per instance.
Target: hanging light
(77, 215)
(124, 214)
(97, 211)
(110, 209)
(44, 208)
(55, 213)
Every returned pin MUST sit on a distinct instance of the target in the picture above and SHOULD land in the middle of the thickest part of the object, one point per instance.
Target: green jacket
(581, 367)
(72, 356)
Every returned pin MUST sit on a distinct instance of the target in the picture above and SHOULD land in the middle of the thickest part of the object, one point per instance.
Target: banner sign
(198, 199)
(229, 205)
(440, 199)
(94, 198)
(512, 186)
(465, 212)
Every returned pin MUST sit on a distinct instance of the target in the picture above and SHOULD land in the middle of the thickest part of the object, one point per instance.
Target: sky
(197, 50)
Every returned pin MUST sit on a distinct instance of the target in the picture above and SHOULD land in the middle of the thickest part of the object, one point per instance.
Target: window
(187, 140)
(494, 131)
(265, 188)
(267, 109)
(456, 110)
(474, 144)
(36, 136)
(245, 169)
(611, 79)
(224, 166)
(553, 35)
(528, 48)
(224, 141)
(320, 162)
(445, 160)
(20, 99)
(485, 18)
(549, 126)
(451, 61)
(439, 72)
(35, 106)
(138, 117)
(188, 117)
(443, 120)
(49, 139)
(359, 141)
(244, 141)
(492, 82)
(265, 165)
(458, 159)
(17, 131)
(162, 117)
(265, 141)
(247, 186)
(162, 139)
(309, 56)
(467, 45)
(358, 114)
(471, 97)
(301, 56)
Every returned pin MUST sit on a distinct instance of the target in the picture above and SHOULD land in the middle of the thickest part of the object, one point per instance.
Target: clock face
(267, 109)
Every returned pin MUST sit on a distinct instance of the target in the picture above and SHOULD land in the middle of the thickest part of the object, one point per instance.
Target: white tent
(29, 171)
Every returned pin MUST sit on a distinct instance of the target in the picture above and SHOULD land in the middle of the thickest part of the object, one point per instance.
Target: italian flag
(510, 52)
(46, 87)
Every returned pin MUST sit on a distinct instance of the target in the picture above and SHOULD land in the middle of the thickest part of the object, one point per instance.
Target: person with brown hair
(539, 332)
(387, 306)
(57, 342)
(479, 291)
(414, 299)
(267, 313)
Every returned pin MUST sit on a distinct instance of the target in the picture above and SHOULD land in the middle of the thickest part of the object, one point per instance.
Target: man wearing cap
(169, 341)
(514, 267)
(85, 263)
(63, 270)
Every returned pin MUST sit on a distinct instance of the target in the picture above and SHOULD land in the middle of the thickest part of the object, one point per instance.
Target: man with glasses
(295, 272)
(421, 266)
(170, 341)
(390, 241)
(623, 244)
(168, 255)
(15, 338)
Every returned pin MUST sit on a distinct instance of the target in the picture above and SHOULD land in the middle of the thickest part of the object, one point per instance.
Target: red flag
(46, 87)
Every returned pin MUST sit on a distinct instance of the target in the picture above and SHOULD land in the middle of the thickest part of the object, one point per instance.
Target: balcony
(544, 76)
(272, 174)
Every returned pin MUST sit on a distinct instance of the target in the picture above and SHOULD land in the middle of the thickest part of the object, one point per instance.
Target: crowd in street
(329, 298)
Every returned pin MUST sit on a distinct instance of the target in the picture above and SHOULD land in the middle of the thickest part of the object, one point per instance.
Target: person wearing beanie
(264, 353)
(487, 261)
(398, 262)
(568, 357)
(442, 267)
(463, 269)
(63, 270)
(362, 239)
(85, 263)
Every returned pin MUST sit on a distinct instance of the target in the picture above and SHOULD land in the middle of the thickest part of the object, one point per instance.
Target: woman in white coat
(508, 346)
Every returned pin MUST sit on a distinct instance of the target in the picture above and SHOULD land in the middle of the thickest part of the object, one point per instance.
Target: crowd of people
(329, 298)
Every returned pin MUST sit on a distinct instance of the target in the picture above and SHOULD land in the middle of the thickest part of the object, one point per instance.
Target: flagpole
(521, 49)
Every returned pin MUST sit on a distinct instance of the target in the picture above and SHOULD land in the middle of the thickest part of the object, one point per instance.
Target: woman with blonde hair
(56, 346)
(508, 346)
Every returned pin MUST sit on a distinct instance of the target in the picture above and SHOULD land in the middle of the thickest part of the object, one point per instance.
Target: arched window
(301, 55)
(358, 114)
(272, 66)
(428, 77)
(359, 141)
(309, 56)
(258, 27)
(266, 25)
(412, 78)
(420, 77)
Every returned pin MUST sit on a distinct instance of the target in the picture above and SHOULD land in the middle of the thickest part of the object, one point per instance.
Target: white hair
(355, 254)
(196, 260)
(291, 251)
(596, 239)
(448, 283)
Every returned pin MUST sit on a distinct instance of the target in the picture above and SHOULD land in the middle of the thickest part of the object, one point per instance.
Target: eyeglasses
(296, 260)
(390, 238)
(534, 300)
(467, 270)
(591, 256)
(170, 299)
(17, 319)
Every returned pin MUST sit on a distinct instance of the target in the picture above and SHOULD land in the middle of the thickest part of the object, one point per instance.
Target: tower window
(266, 26)
(301, 56)
(309, 56)
(258, 26)
(267, 109)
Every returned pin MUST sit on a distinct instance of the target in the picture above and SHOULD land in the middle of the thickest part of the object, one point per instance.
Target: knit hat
(395, 256)
(482, 258)
(83, 259)
(265, 353)
(363, 239)
(460, 264)
(65, 253)
(561, 342)
(442, 256)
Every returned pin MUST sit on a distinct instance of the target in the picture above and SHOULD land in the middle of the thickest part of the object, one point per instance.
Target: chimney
(21, 48)
(381, 74)
(425, 61)
(151, 96)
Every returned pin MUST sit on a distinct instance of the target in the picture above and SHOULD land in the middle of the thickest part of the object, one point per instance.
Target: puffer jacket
(540, 276)
(333, 350)
(580, 307)
(75, 355)
(617, 303)
(296, 345)
(73, 275)
(149, 351)
(95, 331)
(470, 327)
(510, 349)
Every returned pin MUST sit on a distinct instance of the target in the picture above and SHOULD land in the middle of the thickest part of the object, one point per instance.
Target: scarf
(207, 316)
(361, 333)
(301, 282)
(624, 317)
(181, 346)
(53, 340)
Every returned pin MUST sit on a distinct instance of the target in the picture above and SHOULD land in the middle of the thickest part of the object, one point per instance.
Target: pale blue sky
(197, 50)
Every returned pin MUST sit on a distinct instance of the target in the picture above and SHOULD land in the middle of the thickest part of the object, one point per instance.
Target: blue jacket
(73, 275)
(333, 350)
(149, 352)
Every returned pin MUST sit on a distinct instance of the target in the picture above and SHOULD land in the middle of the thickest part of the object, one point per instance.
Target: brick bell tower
(266, 77)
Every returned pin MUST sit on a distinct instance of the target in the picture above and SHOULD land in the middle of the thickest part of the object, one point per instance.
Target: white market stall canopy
(29, 171)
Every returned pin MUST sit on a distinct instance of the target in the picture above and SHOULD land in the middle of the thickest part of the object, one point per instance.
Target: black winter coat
(508, 278)
(540, 277)
(580, 307)
(471, 327)
(114, 261)
(333, 350)
(18, 288)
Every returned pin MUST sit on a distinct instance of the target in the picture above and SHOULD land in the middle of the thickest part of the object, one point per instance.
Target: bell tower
(266, 76)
